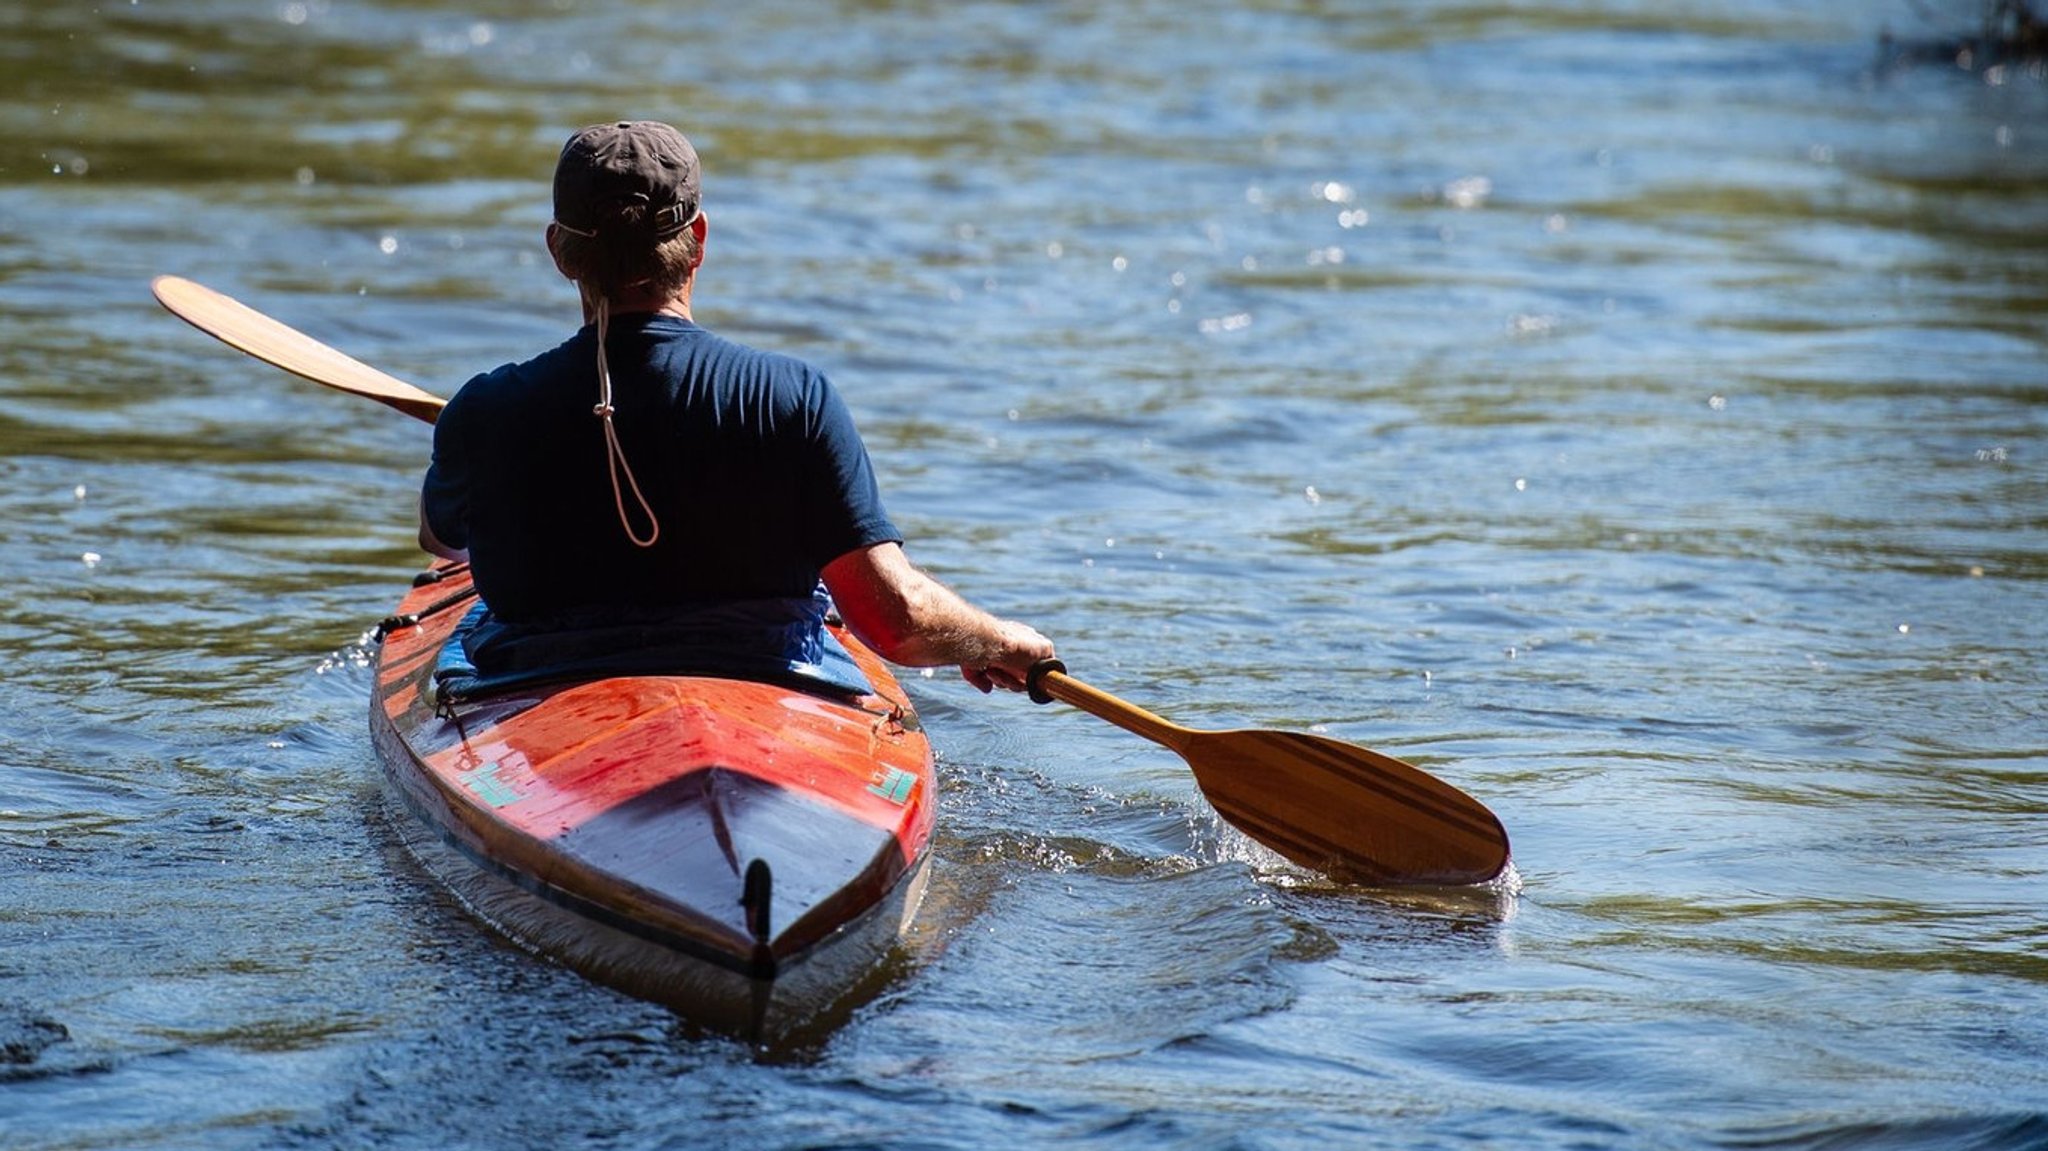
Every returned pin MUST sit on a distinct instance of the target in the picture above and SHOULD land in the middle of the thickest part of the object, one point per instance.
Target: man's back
(748, 460)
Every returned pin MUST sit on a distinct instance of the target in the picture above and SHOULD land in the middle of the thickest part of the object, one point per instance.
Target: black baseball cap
(608, 169)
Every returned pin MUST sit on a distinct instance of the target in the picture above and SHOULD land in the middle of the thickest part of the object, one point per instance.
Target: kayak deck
(743, 852)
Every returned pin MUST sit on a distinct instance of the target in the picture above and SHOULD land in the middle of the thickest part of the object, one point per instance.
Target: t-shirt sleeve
(444, 494)
(846, 501)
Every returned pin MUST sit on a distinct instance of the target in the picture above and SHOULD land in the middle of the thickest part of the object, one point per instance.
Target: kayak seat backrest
(607, 653)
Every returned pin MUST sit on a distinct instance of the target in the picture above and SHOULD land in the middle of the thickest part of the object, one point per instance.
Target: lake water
(1635, 414)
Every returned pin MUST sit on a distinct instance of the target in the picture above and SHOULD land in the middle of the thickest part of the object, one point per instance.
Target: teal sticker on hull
(893, 784)
(483, 782)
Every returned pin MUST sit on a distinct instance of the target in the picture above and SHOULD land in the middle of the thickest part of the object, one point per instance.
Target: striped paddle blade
(1344, 810)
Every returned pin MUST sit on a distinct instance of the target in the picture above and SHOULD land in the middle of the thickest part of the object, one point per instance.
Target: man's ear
(701, 228)
(553, 239)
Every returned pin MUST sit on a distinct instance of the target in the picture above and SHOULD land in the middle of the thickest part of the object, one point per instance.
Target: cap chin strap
(614, 455)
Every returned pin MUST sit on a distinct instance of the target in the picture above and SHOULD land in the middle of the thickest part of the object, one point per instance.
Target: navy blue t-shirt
(750, 460)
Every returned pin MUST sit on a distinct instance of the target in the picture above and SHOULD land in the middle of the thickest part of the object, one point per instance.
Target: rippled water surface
(1636, 414)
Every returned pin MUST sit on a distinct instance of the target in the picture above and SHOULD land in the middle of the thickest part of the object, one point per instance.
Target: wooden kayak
(744, 852)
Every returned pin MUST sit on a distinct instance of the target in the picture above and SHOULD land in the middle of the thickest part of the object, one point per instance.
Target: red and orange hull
(742, 852)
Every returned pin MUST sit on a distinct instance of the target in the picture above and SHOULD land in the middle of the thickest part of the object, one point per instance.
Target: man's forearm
(909, 618)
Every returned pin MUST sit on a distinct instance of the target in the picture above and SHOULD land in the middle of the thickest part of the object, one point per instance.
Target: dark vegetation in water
(24, 1035)
(2012, 34)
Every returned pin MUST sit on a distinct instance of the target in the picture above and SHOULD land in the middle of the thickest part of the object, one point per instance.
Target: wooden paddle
(1330, 806)
(240, 326)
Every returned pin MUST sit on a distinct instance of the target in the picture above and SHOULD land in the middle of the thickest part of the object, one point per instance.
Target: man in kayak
(651, 483)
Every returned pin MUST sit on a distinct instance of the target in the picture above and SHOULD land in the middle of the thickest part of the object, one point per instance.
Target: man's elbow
(432, 545)
(893, 635)
(878, 595)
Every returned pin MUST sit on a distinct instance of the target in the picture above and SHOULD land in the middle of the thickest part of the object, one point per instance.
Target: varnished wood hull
(742, 852)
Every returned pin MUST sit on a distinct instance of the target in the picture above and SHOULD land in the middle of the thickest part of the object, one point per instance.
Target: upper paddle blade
(1347, 811)
(240, 326)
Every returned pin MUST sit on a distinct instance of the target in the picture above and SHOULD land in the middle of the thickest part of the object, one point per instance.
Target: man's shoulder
(508, 381)
(787, 381)
(782, 363)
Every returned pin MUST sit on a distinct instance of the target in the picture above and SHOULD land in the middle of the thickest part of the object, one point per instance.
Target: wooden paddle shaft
(1049, 681)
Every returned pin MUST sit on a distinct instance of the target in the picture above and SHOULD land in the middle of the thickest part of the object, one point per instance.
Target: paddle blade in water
(1331, 806)
(1347, 811)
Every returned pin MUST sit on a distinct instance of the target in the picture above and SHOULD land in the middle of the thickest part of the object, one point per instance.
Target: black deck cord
(412, 619)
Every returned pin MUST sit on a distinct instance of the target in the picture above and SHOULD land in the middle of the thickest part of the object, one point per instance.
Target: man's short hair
(610, 267)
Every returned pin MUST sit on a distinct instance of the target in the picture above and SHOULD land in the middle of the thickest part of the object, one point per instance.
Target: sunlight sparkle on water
(358, 656)
(1468, 191)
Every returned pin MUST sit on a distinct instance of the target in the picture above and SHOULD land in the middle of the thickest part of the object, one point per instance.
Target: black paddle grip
(1034, 680)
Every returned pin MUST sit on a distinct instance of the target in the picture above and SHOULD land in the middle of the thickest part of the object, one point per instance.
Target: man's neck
(634, 301)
